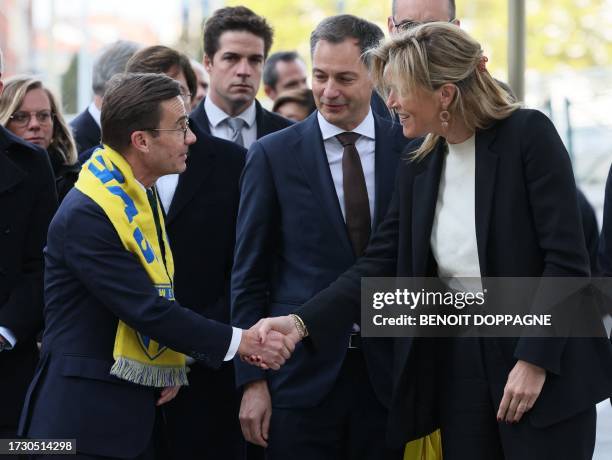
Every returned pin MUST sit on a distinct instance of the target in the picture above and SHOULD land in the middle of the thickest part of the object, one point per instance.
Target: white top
(219, 127)
(166, 186)
(95, 113)
(366, 146)
(453, 236)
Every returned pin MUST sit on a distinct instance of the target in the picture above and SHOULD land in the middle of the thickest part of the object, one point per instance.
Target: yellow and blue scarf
(107, 179)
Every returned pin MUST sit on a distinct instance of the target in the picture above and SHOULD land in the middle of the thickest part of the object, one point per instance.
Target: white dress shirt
(453, 236)
(365, 145)
(95, 113)
(9, 338)
(219, 127)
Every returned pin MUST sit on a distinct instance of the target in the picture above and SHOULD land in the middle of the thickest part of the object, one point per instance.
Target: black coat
(27, 204)
(527, 224)
(85, 130)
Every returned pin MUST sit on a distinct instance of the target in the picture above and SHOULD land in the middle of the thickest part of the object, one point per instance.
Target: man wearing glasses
(115, 338)
(410, 13)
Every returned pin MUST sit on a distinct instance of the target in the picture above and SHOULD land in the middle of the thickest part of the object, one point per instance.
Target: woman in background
(30, 111)
(295, 104)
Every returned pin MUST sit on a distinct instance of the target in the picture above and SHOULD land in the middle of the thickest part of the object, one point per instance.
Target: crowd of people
(181, 268)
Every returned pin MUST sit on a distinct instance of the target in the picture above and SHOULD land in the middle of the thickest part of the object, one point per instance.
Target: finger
(265, 425)
(167, 394)
(503, 406)
(263, 329)
(520, 410)
(290, 344)
(511, 413)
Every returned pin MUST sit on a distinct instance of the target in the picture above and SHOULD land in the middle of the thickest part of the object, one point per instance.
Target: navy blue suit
(27, 201)
(91, 282)
(527, 224)
(86, 131)
(292, 242)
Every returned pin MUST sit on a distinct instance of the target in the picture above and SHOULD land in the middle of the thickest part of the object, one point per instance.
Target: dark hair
(302, 97)
(111, 61)
(270, 74)
(452, 9)
(131, 103)
(235, 18)
(161, 59)
(336, 29)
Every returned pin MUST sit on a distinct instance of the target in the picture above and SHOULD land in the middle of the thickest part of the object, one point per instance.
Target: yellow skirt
(426, 448)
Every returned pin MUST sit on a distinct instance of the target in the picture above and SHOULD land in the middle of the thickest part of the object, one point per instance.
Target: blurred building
(16, 31)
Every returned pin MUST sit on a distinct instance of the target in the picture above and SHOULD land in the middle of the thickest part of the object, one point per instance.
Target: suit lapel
(424, 200)
(199, 118)
(486, 168)
(261, 121)
(200, 163)
(313, 160)
(387, 155)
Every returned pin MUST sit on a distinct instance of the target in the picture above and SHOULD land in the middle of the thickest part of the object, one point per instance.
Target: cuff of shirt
(234, 344)
(9, 337)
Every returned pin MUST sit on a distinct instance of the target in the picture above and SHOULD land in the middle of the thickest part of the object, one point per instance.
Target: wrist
(256, 384)
(299, 325)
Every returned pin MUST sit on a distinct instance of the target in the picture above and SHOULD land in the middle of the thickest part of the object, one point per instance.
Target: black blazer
(91, 282)
(292, 242)
(85, 130)
(267, 122)
(527, 224)
(27, 201)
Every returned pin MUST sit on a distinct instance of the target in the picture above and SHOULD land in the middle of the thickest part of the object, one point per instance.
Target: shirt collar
(216, 115)
(94, 112)
(365, 128)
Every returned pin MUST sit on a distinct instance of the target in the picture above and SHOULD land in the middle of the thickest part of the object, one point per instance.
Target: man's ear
(140, 141)
(207, 63)
(270, 92)
(390, 25)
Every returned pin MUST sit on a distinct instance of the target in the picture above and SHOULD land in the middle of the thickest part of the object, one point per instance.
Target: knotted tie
(236, 126)
(356, 203)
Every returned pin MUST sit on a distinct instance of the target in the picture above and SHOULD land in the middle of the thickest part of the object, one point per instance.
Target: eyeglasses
(186, 96)
(408, 24)
(185, 129)
(22, 119)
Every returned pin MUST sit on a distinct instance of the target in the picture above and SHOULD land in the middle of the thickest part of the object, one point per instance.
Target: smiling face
(36, 101)
(418, 109)
(235, 71)
(341, 85)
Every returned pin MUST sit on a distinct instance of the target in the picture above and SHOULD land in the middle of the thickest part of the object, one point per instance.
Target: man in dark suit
(310, 196)
(112, 60)
(92, 281)
(28, 201)
(236, 44)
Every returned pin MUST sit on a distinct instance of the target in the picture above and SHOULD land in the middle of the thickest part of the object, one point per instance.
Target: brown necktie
(356, 204)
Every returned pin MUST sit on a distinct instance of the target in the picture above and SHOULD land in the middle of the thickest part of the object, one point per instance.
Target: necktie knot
(347, 138)
(236, 126)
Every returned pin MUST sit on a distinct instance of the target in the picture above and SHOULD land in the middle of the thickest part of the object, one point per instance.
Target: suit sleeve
(552, 193)
(22, 312)
(333, 310)
(93, 252)
(257, 238)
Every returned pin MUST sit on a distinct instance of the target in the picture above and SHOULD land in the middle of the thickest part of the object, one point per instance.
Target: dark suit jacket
(590, 230)
(91, 282)
(291, 242)
(85, 130)
(527, 224)
(27, 201)
(267, 122)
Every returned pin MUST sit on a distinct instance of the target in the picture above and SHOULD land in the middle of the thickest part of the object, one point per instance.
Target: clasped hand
(269, 343)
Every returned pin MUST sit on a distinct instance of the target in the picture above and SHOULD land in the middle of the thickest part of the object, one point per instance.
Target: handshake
(271, 341)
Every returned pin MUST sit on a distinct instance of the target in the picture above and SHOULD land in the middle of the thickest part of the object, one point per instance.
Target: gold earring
(444, 119)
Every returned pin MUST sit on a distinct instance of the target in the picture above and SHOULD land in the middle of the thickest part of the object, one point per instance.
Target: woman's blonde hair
(432, 55)
(15, 89)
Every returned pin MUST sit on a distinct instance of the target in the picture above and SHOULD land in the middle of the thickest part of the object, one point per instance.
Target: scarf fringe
(149, 375)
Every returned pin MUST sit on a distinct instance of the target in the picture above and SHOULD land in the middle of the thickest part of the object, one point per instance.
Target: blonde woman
(30, 111)
(488, 190)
